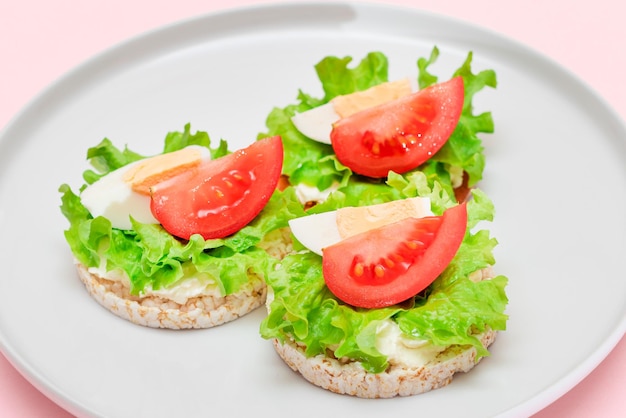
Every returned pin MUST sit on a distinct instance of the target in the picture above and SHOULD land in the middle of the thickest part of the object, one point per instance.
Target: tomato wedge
(220, 196)
(388, 265)
(401, 134)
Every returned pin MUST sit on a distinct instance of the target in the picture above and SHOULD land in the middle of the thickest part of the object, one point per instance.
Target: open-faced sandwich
(182, 239)
(390, 289)
(365, 126)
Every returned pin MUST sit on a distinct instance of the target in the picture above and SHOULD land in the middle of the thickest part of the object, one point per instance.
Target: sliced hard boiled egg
(125, 192)
(316, 231)
(354, 220)
(321, 230)
(150, 171)
(114, 199)
(317, 123)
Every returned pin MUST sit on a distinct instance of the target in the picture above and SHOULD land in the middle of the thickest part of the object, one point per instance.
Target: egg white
(114, 199)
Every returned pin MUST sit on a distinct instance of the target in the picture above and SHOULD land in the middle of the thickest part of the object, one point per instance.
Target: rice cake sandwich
(391, 289)
(378, 306)
(182, 239)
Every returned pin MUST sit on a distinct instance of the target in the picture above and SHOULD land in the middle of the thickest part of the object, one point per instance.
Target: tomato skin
(221, 196)
(386, 243)
(401, 134)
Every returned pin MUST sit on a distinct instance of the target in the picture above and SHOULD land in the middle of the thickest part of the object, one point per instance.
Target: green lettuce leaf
(454, 308)
(464, 148)
(338, 79)
(313, 163)
(450, 313)
(148, 254)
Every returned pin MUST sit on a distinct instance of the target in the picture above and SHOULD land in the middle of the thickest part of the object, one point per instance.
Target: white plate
(555, 169)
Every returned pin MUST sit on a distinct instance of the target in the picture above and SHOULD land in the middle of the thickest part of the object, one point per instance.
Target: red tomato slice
(395, 262)
(220, 196)
(401, 134)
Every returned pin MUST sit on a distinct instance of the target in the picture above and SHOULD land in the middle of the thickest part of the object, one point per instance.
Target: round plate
(556, 170)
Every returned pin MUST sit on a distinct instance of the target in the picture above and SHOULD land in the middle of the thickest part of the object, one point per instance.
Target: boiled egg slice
(321, 230)
(317, 123)
(125, 192)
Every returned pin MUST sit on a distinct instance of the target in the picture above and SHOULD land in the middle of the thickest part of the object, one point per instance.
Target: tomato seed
(358, 270)
(413, 244)
(379, 271)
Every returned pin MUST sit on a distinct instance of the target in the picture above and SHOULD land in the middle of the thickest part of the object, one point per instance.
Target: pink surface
(41, 40)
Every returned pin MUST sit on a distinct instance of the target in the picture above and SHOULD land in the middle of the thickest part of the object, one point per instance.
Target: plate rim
(83, 71)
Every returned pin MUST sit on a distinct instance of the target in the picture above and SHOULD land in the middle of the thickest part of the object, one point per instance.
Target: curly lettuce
(450, 312)
(315, 164)
(148, 254)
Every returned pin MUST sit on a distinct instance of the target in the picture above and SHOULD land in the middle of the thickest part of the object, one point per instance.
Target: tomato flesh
(388, 265)
(220, 196)
(399, 135)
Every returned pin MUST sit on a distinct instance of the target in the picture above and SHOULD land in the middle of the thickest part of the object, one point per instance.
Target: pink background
(41, 40)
